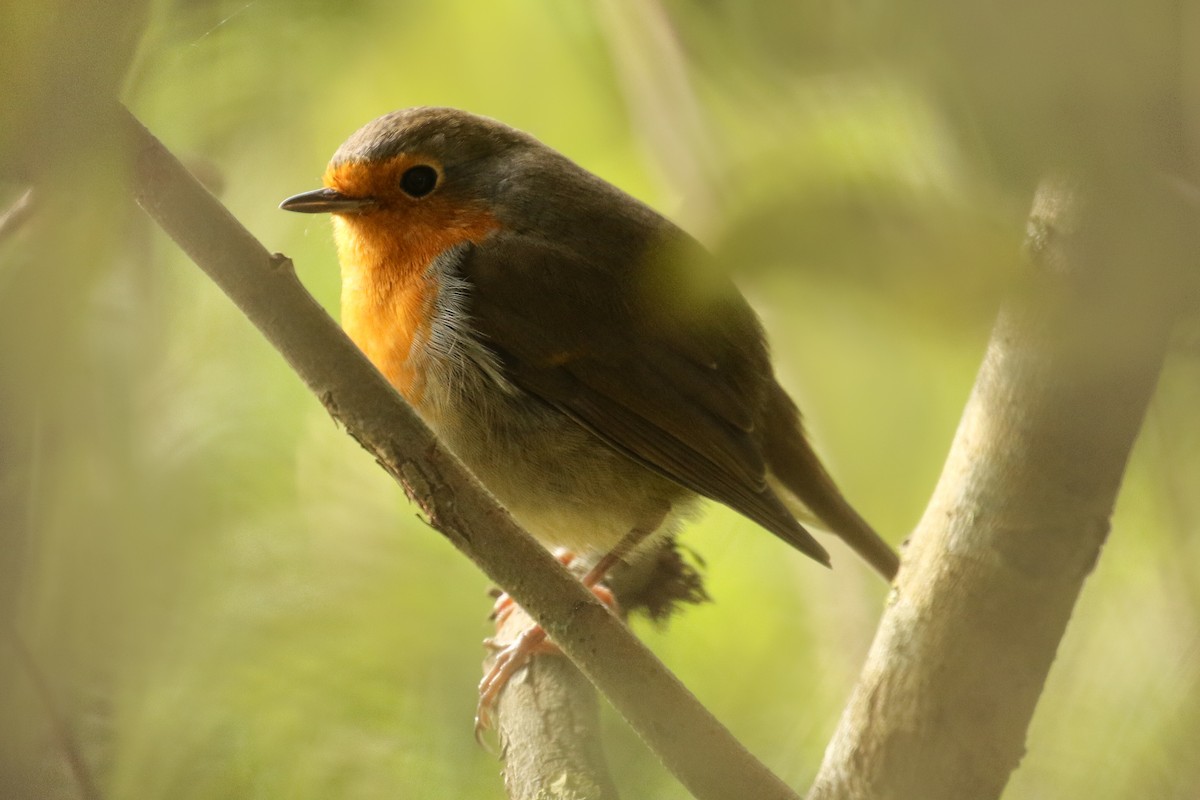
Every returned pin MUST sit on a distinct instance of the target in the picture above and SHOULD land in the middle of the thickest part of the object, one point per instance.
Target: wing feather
(672, 375)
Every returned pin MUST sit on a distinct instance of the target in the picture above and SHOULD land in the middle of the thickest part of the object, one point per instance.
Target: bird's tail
(797, 470)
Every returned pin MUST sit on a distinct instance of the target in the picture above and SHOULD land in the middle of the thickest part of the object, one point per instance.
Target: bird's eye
(419, 181)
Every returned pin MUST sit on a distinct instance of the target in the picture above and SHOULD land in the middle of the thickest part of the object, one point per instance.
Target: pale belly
(558, 480)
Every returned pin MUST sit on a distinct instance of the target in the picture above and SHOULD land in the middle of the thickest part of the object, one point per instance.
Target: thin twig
(16, 215)
(60, 729)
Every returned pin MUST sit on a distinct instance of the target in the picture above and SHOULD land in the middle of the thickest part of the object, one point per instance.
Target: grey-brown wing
(664, 367)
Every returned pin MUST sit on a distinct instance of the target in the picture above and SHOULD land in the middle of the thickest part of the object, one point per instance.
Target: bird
(581, 354)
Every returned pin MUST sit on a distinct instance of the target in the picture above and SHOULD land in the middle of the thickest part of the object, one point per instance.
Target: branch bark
(549, 728)
(692, 744)
(1022, 507)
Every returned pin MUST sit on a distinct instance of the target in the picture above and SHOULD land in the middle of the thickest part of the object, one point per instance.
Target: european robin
(580, 353)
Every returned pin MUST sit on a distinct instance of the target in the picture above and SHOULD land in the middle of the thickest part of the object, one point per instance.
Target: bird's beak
(326, 201)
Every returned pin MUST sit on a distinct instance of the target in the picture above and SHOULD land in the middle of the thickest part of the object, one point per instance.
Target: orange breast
(389, 292)
(384, 314)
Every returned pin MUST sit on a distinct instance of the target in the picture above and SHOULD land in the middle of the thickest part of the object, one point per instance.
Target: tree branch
(1022, 507)
(549, 728)
(60, 727)
(549, 723)
(692, 744)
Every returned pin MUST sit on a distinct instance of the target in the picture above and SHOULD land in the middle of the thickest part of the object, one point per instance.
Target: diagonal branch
(1022, 508)
(700, 752)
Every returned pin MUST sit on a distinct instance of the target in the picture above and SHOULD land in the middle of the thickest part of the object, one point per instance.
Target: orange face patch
(375, 178)
(406, 233)
(388, 293)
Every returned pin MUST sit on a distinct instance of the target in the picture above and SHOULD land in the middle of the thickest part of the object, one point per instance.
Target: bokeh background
(227, 598)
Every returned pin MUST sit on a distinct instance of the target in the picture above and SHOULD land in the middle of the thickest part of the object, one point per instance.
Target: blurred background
(225, 597)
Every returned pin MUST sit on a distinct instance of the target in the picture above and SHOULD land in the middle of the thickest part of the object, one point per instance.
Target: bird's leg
(533, 640)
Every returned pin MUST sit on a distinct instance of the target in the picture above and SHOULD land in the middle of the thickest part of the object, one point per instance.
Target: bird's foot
(511, 656)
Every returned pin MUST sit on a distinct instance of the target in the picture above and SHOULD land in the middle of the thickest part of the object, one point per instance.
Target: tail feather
(850, 527)
(797, 469)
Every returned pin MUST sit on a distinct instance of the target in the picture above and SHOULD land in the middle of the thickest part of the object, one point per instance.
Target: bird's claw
(511, 656)
(508, 661)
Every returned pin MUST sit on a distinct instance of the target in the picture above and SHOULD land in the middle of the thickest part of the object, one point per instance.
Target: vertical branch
(1022, 507)
(549, 727)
